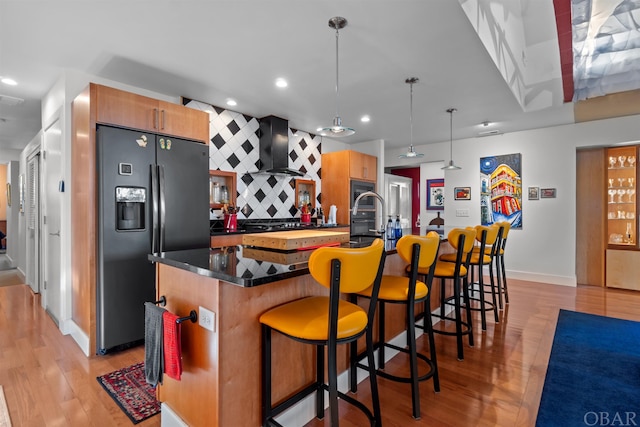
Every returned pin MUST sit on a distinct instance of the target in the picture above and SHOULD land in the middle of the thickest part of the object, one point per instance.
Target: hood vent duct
(274, 147)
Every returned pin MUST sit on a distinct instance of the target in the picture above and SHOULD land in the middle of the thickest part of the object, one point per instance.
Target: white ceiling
(214, 50)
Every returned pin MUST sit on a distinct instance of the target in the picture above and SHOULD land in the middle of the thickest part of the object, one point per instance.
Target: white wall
(544, 250)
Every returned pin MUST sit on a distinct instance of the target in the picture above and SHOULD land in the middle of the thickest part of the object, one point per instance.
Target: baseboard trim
(71, 328)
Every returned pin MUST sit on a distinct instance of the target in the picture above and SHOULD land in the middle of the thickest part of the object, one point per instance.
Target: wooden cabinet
(305, 192)
(120, 108)
(222, 189)
(338, 169)
(95, 105)
(363, 166)
(621, 197)
(591, 216)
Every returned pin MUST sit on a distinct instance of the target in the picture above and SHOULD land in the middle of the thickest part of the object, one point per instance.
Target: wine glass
(632, 160)
(612, 162)
(621, 181)
(610, 182)
(631, 192)
(621, 192)
(631, 180)
(621, 159)
(612, 193)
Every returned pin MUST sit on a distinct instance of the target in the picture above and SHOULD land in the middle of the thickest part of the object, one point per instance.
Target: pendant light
(451, 166)
(412, 152)
(337, 130)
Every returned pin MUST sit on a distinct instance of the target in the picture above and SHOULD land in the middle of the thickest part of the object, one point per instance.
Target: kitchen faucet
(381, 200)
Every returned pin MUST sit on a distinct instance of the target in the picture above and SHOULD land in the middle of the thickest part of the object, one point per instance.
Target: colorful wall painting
(501, 189)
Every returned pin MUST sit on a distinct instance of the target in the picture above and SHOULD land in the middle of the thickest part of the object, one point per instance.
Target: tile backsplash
(234, 146)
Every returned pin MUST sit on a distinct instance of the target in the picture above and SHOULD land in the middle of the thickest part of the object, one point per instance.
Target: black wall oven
(363, 223)
(359, 187)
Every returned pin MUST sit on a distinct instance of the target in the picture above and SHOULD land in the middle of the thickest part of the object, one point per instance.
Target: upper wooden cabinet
(339, 168)
(363, 166)
(120, 108)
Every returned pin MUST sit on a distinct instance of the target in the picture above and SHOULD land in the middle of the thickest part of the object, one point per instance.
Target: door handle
(57, 233)
(154, 208)
(162, 203)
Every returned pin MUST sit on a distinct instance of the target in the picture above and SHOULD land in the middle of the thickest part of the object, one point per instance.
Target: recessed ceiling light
(280, 82)
(231, 102)
(9, 81)
(365, 119)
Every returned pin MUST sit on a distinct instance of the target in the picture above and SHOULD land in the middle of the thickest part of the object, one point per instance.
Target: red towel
(172, 351)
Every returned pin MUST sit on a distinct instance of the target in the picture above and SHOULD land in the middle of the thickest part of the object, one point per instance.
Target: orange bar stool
(326, 321)
(420, 252)
(481, 255)
(502, 275)
(462, 240)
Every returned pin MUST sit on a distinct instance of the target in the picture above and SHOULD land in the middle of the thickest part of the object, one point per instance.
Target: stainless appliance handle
(154, 207)
(162, 204)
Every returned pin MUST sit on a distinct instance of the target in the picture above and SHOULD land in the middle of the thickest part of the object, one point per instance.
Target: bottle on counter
(391, 232)
(398, 227)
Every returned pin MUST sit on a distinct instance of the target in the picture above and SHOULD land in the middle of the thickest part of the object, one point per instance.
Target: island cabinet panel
(195, 397)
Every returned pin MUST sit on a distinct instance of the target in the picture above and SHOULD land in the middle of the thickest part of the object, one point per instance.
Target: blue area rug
(593, 378)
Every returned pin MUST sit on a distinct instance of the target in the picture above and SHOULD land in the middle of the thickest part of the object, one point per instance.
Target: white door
(32, 209)
(52, 212)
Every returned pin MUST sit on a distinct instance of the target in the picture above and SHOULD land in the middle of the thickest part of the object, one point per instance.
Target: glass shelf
(621, 196)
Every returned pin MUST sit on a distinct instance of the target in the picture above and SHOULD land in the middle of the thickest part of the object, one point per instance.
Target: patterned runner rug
(129, 389)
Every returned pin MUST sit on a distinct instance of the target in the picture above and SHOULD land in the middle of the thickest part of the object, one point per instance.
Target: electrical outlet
(462, 212)
(206, 318)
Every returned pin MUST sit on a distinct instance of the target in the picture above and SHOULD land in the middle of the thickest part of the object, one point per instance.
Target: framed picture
(462, 193)
(501, 190)
(547, 193)
(435, 194)
(534, 193)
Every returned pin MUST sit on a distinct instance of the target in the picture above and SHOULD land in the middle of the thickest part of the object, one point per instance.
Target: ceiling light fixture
(282, 83)
(451, 166)
(231, 102)
(365, 119)
(337, 130)
(8, 81)
(412, 152)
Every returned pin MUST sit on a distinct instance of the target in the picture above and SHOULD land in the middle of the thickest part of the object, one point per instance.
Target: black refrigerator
(153, 196)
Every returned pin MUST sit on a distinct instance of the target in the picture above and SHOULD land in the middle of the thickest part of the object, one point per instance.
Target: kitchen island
(220, 384)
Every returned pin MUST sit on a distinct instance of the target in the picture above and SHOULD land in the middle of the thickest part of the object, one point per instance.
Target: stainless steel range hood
(274, 147)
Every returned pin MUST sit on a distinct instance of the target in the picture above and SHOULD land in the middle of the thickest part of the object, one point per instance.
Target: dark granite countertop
(244, 265)
(217, 231)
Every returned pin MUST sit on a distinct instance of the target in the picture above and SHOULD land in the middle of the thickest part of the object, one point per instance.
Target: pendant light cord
(337, 80)
(451, 135)
(411, 113)
(451, 111)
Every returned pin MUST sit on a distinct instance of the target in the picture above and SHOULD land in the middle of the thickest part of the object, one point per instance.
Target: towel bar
(193, 316)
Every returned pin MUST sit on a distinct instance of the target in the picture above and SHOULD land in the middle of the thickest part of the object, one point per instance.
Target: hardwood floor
(47, 380)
